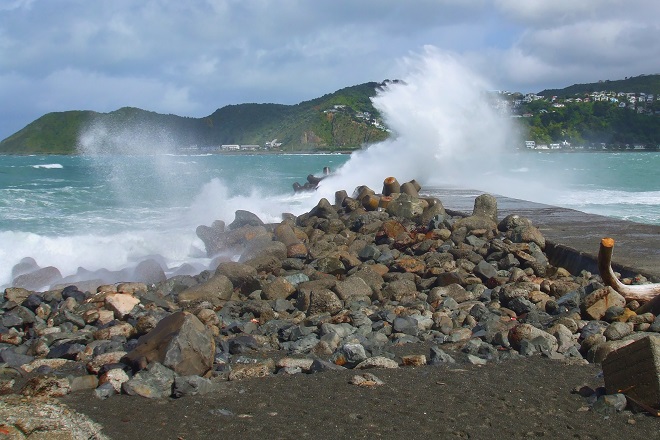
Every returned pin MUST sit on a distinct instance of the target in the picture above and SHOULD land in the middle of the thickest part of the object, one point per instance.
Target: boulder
(242, 276)
(262, 248)
(323, 301)
(121, 304)
(154, 382)
(486, 206)
(596, 303)
(212, 236)
(244, 218)
(38, 279)
(216, 290)
(180, 342)
(149, 271)
(406, 206)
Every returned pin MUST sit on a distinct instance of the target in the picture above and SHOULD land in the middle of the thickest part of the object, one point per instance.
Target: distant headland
(605, 115)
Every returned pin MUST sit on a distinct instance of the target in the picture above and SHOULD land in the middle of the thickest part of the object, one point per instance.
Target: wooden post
(640, 292)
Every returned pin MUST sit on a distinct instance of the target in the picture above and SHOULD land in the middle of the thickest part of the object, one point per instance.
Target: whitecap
(49, 166)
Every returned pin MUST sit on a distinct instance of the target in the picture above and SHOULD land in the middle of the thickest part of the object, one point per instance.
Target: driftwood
(640, 292)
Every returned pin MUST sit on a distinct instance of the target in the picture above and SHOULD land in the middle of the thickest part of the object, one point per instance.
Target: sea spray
(445, 129)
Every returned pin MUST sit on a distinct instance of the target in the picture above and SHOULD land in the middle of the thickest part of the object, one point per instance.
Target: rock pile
(334, 288)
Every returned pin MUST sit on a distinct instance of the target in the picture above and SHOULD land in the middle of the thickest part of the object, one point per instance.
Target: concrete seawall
(573, 237)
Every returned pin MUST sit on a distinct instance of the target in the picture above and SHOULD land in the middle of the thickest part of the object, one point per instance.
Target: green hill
(336, 121)
(633, 84)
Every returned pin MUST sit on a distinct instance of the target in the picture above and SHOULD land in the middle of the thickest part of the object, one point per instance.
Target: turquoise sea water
(113, 211)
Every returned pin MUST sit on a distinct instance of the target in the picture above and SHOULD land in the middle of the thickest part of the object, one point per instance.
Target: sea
(112, 212)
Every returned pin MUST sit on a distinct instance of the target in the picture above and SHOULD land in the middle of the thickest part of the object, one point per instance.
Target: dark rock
(67, 350)
(32, 301)
(485, 270)
(14, 359)
(244, 218)
(242, 344)
(323, 301)
(324, 210)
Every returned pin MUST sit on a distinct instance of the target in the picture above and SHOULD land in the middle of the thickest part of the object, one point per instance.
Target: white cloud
(192, 57)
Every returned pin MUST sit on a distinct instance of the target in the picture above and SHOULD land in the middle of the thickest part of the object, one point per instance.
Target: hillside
(633, 84)
(619, 114)
(343, 120)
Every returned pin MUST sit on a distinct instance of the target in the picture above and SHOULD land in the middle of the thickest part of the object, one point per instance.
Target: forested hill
(634, 84)
(343, 120)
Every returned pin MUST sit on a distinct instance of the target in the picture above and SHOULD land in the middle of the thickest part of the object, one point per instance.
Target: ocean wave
(94, 252)
(49, 166)
(610, 197)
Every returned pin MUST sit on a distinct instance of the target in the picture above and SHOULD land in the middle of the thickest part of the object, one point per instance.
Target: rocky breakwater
(338, 287)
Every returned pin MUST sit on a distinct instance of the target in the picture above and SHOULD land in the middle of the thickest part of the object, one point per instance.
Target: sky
(192, 57)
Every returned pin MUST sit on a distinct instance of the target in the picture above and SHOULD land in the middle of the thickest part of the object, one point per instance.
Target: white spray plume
(444, 129)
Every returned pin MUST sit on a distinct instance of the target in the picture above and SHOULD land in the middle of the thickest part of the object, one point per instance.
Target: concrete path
(575, 236)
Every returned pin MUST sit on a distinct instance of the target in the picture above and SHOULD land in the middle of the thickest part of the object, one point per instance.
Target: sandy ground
(525, 398)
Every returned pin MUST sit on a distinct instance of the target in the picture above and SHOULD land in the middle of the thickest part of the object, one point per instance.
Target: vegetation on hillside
(612, 114)
(334, 121)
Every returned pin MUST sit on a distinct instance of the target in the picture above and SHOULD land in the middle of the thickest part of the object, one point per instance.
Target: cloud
(192, 57)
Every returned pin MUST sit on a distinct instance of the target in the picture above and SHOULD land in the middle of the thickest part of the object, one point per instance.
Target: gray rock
(216, 291)
(617, 330)
(405, 206)
(438, 356)
(349, 355)
(149, 271)
(406, 325)
(258, 248)
(191, 386)
(105, 390)
(14, 359)
(154, 382)
(485, 270)
(180, 342)
(38, 279)
(610, 404)
(526, 234)
(485, 205)
(242, 276)
(352, 286)
(319, 366)
(399, 289)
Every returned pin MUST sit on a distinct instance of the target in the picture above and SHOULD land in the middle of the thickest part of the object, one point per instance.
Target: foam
(49, 166)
